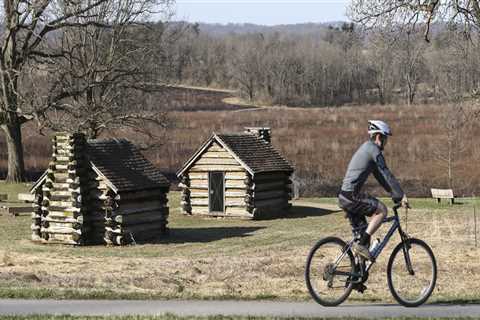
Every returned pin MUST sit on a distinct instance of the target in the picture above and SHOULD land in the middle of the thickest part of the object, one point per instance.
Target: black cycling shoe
(360, 287)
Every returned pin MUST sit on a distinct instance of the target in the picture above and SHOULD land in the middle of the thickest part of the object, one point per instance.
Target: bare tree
(409, 13)
(381, 61)
(30, 27)
(410, 56)
(104, 75)
(457, 122)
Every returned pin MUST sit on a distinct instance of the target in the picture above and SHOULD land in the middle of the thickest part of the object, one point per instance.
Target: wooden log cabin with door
(237, 175)
(99, 191)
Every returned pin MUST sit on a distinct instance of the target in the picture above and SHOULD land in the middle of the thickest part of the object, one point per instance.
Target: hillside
(318, 141)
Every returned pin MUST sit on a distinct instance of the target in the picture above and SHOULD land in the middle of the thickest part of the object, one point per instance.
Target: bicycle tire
(427, 291)
(309, 276)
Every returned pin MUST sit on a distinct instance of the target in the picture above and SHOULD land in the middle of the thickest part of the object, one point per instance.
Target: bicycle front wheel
(329, 271)
(411, 287)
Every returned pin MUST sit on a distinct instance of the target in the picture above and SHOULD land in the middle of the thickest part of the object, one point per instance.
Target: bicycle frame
(395, 219)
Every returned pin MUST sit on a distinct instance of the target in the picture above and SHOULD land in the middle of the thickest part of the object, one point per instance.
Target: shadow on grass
(203, 235)
(304, 212)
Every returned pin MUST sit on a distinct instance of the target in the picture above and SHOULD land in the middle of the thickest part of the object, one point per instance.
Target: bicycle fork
(406, 251)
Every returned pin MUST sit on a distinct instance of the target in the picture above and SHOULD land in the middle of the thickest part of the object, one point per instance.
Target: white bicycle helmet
(378, 126)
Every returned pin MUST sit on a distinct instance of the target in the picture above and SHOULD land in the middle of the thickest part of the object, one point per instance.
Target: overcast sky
(266, 12)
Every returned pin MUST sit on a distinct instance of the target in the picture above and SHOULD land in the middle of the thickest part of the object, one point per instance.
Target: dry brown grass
(318, 141)
(218, 258)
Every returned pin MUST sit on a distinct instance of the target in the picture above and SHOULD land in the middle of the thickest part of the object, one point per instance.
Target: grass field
(210, 258)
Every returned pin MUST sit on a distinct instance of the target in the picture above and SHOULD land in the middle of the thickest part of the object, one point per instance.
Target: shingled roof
(251, 151)
(124, 166)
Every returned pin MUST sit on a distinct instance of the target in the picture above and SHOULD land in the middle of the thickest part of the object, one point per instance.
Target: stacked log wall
(194, 183)
(270, 194)
(37, 216)
(64, 190)
(136, 216)
(96, 209)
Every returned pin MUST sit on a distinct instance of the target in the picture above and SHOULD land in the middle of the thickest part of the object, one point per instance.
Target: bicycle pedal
(360, 287)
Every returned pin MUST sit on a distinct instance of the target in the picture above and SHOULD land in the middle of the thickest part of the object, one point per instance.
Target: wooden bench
(443, 194)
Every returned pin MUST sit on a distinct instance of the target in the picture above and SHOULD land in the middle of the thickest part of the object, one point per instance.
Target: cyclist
(369, 159)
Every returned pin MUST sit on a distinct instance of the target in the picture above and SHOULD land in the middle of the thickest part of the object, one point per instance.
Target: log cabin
(237, 175)
(98, 192)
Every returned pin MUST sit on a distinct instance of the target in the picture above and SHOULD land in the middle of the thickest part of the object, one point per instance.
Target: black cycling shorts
(360, 204)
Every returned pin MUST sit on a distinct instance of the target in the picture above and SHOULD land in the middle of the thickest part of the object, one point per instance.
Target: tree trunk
(13, 136)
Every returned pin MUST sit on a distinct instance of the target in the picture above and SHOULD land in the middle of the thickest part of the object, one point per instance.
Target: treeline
(340, 65)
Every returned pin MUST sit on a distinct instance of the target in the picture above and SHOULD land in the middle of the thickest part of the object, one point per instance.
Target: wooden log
(279, 211)
(151, 206)
(270, 177)
(60, 219)
(202, 189)
(235, 202)
(149, 194)
(62, 158)
(57, 225)
(60, 193)
(199, 202)
(278, 185)
(217, 154)
(141, 218)
(67, 146)
(207, 168)
(198, 176)
(61, 186)
(62, 238)
(75, 180)
(264, 195)
(216, 147)
(126, 239)
(229, 184)
(62, 209)
(217, 161)
(26, 197)
(61, 230)
(136, 229)
(65, 204)
(199, 195)
(91, 218)
(278, 202)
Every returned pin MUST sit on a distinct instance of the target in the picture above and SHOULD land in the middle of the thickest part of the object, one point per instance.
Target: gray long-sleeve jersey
(369, 159)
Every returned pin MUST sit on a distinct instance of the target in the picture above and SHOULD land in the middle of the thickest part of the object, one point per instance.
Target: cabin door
(216, 191)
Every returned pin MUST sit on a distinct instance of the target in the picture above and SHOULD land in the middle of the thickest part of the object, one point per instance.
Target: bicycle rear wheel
(412, 290)
(329, 271)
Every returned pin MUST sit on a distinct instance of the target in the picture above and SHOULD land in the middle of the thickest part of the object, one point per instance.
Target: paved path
(244, 308)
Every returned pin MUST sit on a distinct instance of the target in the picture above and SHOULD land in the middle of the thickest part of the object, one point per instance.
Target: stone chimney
(262, 132)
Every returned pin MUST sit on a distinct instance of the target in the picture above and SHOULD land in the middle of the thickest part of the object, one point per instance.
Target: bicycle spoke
(329, 270)
(408, 288)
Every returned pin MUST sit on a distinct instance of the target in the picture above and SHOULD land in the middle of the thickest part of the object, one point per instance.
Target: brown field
(229, 258)
(318, 141)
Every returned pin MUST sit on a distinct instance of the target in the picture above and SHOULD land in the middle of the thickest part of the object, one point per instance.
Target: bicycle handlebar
(397, 206)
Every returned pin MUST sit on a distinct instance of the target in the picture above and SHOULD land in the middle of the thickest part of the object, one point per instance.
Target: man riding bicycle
(369, 159)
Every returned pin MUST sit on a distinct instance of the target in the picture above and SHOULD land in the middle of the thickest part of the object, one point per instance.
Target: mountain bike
(333, 271)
